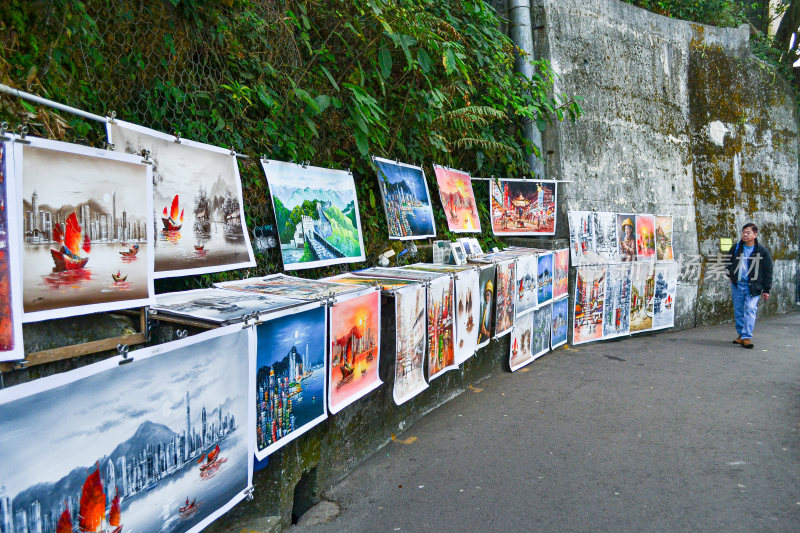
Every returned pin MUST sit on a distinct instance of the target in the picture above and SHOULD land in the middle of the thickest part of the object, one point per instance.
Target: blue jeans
(745, 308)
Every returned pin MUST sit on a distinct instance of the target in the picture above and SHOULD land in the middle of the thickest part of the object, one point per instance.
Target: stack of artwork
(626, 278)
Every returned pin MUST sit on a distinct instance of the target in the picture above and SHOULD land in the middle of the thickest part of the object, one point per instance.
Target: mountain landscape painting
(160, 444)
(316, 212)
(85, 227)
(197, 202)
(406, 200)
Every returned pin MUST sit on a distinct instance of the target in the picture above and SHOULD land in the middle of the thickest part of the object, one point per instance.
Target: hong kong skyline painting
(290, 371)
(354, 352)
(316, 215)
(85, 227)
(11, 346)
(196, 199)
(406, 200)
(104, 447)
(458, 200)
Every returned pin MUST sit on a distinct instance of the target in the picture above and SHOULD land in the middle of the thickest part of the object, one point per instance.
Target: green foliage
(326, 81)
(345, 235)
(725, 13)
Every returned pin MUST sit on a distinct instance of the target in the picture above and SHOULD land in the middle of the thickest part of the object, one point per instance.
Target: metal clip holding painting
(108, 146)
(23, 133)
(3, 129)
(122, 349)
(21, 364)
(146, 157)
(177, 137)
(264, 159)
(111, 116)
(251, 319)
(181, 333)
(248, 493)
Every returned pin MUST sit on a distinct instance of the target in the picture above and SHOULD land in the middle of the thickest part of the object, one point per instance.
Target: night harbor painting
(458, 200)
(316, 215)
(521, 342)
(197, 202)
(10, 284)
(354, 348)
(559, 320)
(410, 322)
(170, 458)
(85, 228)
(523, 207)
(290, 376)
(219, 305)
(544, 278)
(406, 200)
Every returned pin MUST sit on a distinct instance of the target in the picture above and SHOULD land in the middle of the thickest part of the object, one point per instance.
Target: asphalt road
(677, 431)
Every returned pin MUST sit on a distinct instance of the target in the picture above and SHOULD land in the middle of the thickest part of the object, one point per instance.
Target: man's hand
(765, 296)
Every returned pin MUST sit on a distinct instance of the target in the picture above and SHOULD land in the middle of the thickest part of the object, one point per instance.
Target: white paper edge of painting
(251, 262)
(58, 146)
(14, 255)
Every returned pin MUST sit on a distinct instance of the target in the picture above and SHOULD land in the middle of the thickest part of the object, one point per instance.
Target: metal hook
(264, 159)
(146, 157)
(233, 152)
(3, 129)
(23, 133)
(177, 137)
(111, 116)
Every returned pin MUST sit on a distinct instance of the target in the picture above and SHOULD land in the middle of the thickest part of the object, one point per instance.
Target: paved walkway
(679, 431)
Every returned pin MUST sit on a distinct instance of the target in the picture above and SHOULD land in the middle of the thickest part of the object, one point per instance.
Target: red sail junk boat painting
(67, 253)
(171, 220)
(92, 514)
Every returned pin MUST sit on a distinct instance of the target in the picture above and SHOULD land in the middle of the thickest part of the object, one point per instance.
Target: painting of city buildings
(558, 318)
(316, 212)
(664, 292)
(84, 231)
(406, 200)
(540, 336)
(526, 283)
(288, 287)
(664, 250)
(587, 321)
(354, 348)
(197, 202)
(441, 327)
(582, 237)
(617, 309)
(560, 273)
(520, 346)
(544, 279)
(642, 294)
(290, 376)
(10, 289)
(410, 329)
(645, 237)
(467, 304)
(219, 305)
(486, 283)
(458, 200)
(504, 297)
(523, 207)
(160, 444)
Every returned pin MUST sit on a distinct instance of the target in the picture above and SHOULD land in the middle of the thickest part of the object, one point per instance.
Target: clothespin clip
(23, 132)
(181, 333)
(122, 349)
(264, 159)
(177, 137)
(3, 129)
(111, 116)
(108, 146)
(146, 157)
(248, 493)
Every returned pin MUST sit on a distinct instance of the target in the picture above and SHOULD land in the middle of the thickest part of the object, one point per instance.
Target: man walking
(750, 272)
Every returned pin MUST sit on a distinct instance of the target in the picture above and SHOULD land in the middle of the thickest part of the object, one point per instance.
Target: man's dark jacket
(760, 275)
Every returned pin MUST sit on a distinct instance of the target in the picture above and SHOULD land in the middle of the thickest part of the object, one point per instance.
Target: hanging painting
(162, 442)
(406, 200)
(11, 346)
(587, 321)
(626, 235)
(523, 207)
(559, 318)
(290, 370)
(642, 293)
(544, 283)
(409, 372)
(441, 327)
(196, 199)
(616, 312)
(606, 239)
(582, 237)
(467, 303)
(316, 215)
(665, 290)
(521, 342)
(458, 200)
(527, 287)
(218, 305)
(645, 237)
(664, 238)
(354, 348)
(560, 273)
(540, 340)
(486, 282)
(288, 287)
(86, 229)
(505, 297)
